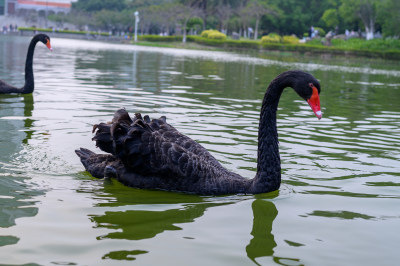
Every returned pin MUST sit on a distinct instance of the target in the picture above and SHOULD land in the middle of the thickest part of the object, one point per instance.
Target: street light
(136, 23)
(46, 13)
(5, 8)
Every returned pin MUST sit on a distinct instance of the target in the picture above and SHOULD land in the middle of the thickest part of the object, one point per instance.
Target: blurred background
(237, 19)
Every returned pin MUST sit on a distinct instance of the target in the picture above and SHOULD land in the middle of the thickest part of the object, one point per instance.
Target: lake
(340, 195)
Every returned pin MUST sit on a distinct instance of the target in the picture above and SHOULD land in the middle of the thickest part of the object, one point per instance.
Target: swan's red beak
(314, 102)
(49, 45)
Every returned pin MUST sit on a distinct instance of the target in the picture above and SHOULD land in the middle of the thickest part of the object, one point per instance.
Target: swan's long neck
(268, 177)
(29, 81)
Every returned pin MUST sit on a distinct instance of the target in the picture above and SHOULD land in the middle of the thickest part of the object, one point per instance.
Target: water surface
(338, 204)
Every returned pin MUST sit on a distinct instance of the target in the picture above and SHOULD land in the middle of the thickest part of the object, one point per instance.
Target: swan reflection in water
(17, 198)
(134, 214)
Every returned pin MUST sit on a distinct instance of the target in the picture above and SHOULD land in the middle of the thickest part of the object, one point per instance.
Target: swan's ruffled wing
(153, 147)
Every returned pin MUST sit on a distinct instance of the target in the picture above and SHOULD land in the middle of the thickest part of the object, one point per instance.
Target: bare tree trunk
(370, 30)
(184, 31)
(256, 29)
(367, 15)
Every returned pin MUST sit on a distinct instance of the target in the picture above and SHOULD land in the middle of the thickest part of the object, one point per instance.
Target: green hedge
(205, 41)
(315, 46)
(243, 44)
(225, 43)
(157, 38)
(387, 49)
(62, 31)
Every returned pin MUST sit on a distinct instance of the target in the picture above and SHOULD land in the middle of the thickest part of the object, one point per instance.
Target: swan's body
(29, 81)
(152, 154)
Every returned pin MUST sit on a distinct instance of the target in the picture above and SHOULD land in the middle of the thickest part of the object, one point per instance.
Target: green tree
(257, 9)
(331, 17)
(364, 10)
(113, 20)
(296, 17)
(97, 5)
(224, 12)
(183, 14)
(141, 4)
(195, 23)
(389, 17)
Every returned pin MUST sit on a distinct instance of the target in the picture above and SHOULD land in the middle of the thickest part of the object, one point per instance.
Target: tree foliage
(331, 17)
(364, 10)
(285, 17)
(389, 17)
(97, 5)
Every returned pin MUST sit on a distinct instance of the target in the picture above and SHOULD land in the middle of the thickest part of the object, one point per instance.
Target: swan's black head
(44, 39)
(308, 88)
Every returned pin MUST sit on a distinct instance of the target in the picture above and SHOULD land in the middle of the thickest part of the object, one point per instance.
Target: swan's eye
(311, 85)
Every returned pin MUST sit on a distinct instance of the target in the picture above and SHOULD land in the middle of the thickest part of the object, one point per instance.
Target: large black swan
(29, 82)
(152, 154)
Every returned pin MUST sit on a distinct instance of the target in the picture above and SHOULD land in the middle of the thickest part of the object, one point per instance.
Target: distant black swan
(29, 82)
(152, 154)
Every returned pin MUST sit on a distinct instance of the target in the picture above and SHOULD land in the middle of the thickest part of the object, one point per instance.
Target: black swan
(29, 83)
(151, 154)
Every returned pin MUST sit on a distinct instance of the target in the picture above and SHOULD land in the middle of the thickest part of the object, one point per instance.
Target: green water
(338, 203)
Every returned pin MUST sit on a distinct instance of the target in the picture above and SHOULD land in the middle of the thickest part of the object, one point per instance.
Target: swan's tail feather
(94, 163)
(122, 115)
(84, 154)
(103, 137)
(124, 136)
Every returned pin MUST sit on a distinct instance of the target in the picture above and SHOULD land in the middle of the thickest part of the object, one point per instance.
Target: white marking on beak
(318, 114)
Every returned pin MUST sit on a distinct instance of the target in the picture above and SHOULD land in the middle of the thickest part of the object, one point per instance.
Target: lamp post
(136, 23)
(46, 13)
(5, 8)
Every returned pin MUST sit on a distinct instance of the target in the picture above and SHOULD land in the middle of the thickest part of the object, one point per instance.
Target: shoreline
(199, 43)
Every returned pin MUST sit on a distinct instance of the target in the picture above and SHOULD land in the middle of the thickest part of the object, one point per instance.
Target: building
(10, 7)
(2, 7)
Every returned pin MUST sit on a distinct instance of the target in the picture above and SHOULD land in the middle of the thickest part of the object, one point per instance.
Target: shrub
(205, 33)
(321, 31)
(213, 34)
(271, 38)
(290, 39)
(216, 35)
(315, 41)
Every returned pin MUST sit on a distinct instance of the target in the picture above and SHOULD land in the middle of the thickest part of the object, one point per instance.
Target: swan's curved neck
(29, 81)
(268, 177)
